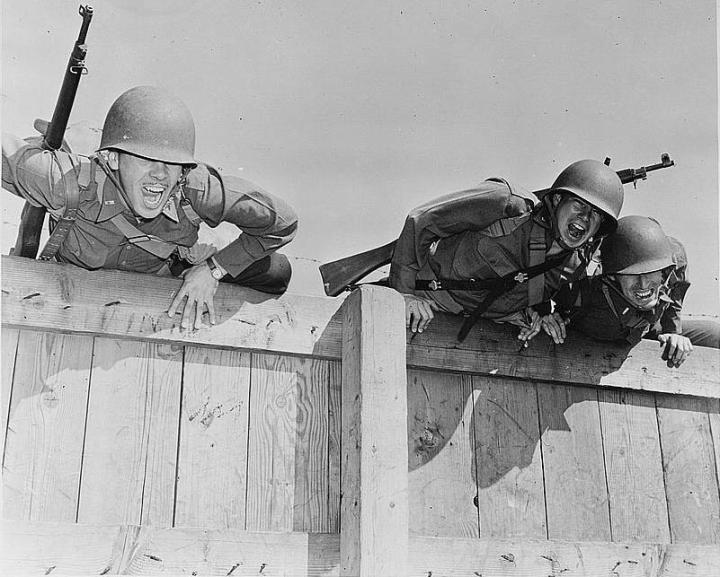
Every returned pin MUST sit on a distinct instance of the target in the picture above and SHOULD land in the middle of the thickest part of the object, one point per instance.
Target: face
(147, 183)
(641, 290)
(577, 220)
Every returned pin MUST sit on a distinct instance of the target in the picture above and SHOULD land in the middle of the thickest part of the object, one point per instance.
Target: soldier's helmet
(638, 246)
(149, 122)
(597, 184)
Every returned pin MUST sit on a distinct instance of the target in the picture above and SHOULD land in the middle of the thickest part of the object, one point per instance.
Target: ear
(113, 159)
(555, 199)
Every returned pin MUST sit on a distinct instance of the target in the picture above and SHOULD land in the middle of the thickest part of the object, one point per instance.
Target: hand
(554, 325)
(529, 323)
(676, 349)
(418, 312)
(199, 288)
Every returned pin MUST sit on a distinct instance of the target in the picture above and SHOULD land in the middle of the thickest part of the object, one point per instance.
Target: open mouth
(152, 195)
(644, 297)
(576, 231)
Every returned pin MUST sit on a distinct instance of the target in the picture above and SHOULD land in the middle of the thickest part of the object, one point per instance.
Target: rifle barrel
(75, 69)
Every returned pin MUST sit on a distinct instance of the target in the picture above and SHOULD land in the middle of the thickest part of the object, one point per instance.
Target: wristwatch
(214, 269)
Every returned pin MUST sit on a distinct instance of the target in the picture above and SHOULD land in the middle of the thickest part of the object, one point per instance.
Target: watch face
(217, 273)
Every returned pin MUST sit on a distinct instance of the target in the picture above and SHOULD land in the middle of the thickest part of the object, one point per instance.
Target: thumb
(662, 339)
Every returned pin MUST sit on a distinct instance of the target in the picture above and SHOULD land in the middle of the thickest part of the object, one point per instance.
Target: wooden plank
(531, 558)
(132, 434)
(62, 297)
(288, 444)
(691, 482)
(8, 350)
(374, 508)
(44, 448)
(638, 506)
(229, 552)
(573, 464)
(441, 481)
(334, 446)
(714, 415)
(508, 462)
(69, 549)
(493, 349)
(28, 548)
(212, 458)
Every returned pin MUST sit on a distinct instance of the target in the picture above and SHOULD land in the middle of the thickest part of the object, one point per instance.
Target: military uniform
(597, 308)
(483, 233)
(95, 241)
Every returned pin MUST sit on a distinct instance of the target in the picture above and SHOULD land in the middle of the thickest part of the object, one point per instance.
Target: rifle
(32, 217)
(341, 275)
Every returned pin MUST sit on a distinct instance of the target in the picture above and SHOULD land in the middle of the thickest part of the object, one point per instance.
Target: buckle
(434, 285)
(520, 277)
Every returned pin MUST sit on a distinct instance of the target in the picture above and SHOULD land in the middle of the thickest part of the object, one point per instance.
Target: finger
(427, 316)
(408, 315)
(563, 331)
(211, 311)
(187, 312)
(671, 348)
(414, 320)
(199, 309)
(434, 306)
(176, 303)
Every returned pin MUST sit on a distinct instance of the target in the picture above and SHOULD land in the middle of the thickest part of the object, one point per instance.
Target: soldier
(492, 252)
(138, 203)
(638, 294)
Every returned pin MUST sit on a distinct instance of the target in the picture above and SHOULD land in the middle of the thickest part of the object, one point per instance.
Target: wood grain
(441, 480)
(633, 461)
(508, 461)
(61, 297)
(573, 464)
(212, 457)
(132, 434)
(334, 445)
(58, 297)
(69, 549)
(288, 444)
(690, 470)
(43, 455)
(8, 350)
(374, 507)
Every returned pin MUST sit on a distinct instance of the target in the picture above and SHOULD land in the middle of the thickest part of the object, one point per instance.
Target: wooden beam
(494, 349)
(64, 298)
(374, 507)
(32, 548)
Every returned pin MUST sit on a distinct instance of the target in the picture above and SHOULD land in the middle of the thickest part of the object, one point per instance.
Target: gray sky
(355, 112)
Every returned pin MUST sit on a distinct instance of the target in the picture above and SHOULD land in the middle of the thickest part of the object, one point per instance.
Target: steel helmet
(597, 184)
(147, 121)
(638, 246)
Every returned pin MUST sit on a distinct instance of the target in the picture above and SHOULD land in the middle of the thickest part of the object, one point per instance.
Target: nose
(158, 170)
(644, 281)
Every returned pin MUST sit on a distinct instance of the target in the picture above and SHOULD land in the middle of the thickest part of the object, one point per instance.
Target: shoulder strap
(148, 242)
(75, 177)
(538, 250)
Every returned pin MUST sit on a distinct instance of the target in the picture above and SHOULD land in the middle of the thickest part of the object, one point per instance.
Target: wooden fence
(132, 447)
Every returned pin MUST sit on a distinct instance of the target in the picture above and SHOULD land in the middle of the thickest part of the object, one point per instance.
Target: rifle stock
(340, 275)
(32, 218)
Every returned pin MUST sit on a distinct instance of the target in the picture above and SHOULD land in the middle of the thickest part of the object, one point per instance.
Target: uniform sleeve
(35, 174)
(267, 222)
(678, 285)
(451, 214)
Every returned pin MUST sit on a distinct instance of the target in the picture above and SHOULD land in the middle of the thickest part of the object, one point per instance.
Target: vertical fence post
(374, 507)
